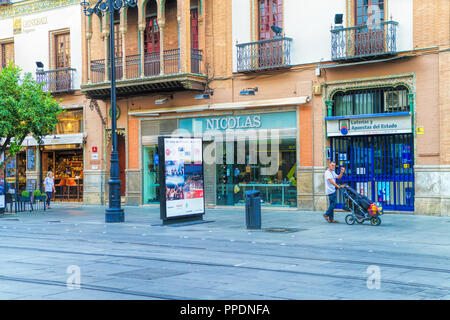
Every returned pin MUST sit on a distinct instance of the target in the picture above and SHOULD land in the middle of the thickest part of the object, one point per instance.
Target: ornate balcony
(5, 2)
(148, 78)
(364, 42)
(56, 81)
(264, 55)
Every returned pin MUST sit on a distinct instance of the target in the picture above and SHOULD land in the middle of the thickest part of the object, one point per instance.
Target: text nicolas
(238, 122)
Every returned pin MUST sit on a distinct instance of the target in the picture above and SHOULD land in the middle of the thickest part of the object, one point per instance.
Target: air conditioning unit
(395, 101)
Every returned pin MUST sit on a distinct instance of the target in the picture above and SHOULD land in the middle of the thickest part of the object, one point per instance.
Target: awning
(225, 106)
(74, 138)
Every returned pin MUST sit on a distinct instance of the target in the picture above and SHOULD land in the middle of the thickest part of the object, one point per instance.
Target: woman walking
(49, 184)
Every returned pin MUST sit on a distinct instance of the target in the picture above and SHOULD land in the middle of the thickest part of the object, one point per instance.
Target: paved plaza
(69, 252)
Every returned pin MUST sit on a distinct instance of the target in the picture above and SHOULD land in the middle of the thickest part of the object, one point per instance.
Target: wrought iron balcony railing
(58, 80)
(151, 66)
(264, 54)
(5, 2)
(366, 41)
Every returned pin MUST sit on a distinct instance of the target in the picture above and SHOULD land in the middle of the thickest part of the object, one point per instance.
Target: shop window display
(151, 175)
(279, 189)
(67, 167)
(70, 121)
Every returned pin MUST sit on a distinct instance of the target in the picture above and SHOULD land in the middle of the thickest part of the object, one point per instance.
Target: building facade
(44, 38)
(362, 83)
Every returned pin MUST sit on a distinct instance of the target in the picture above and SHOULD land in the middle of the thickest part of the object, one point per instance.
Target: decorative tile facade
(29, 7)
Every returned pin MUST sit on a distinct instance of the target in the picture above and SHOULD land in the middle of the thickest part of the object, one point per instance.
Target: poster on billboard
(181, 177)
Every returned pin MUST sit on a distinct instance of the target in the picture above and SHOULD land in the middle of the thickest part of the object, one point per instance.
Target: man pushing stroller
(330, 190)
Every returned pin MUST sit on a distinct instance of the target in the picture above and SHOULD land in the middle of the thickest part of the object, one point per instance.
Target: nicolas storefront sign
(255, 121)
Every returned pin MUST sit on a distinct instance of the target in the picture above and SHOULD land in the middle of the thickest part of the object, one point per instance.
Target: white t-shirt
(329, 188)
(49, 183)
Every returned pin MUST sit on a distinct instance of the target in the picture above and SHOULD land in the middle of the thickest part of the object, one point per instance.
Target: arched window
(371, 101)
(151, 33)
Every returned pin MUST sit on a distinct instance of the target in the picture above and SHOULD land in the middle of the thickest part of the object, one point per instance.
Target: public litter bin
(253, 209)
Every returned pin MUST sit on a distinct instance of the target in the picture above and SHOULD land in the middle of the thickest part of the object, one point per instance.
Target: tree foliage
(25, 109)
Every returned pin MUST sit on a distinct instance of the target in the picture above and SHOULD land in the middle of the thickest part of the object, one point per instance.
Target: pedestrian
(49, 184)
(330, 190)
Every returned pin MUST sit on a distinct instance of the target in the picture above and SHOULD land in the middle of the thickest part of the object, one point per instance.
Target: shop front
(243, 150)
(370, 133)
(66, 163)
(62, 154)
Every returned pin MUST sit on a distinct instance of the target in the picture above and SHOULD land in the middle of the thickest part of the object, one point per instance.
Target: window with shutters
(371, 101)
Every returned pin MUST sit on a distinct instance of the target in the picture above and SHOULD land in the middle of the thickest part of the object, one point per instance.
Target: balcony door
(152, 47)
(61, 79)
(369, 40)
(195, 52)
(269, 14)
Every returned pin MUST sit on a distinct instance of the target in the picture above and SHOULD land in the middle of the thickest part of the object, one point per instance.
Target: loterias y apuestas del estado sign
(379, 124)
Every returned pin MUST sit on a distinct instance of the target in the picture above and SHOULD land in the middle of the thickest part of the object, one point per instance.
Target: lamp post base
(114, 215)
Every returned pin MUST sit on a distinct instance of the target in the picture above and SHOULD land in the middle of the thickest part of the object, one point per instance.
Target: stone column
(123, 31)
(106, 39)
(184, 24)
(141, 48)
(88, 39)
(201, 40)
(161, 25)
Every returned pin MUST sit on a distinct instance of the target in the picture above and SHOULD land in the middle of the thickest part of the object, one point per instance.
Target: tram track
(231, 251)
(416, 285)
(90, 287)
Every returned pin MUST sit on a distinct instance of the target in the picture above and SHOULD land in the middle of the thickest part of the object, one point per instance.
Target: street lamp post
(114, 213)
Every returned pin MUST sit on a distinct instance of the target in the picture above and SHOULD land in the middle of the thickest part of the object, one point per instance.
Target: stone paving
(44, 254)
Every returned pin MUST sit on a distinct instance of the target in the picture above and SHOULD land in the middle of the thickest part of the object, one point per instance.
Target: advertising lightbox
(181, 179)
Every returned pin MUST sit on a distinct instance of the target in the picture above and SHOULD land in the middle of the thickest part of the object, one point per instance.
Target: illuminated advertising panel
(181, 176)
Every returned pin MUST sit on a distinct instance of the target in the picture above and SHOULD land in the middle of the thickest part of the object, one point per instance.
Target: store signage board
(368, 126)
(254, 121)
(181, 179)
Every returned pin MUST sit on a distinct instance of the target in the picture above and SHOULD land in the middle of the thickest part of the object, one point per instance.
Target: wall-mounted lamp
(205, 95)
(338, 18)
(249, 91)
(163, 100)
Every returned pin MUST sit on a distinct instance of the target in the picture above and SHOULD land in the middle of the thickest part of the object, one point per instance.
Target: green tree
(25, 109)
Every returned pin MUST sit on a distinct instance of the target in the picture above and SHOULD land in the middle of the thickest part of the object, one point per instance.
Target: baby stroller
(362, 209)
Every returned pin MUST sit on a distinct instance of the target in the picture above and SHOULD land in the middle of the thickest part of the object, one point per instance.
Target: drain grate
(283, 230)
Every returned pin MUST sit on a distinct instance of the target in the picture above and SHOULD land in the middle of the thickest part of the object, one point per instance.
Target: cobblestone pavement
(69, 252)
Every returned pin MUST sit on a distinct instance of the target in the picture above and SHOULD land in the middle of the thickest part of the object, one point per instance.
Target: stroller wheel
(375, 221)
(349, 219)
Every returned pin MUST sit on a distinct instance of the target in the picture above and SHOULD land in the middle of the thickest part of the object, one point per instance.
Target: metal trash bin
(253, 209)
